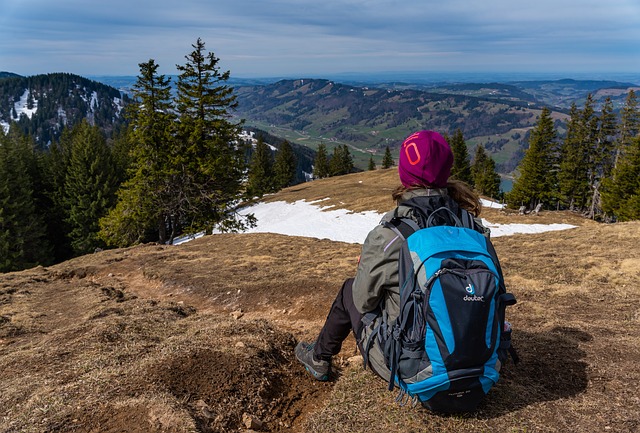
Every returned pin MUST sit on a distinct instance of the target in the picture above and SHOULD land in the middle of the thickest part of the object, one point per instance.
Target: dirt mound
(77, 355)
(236, 370)
(219, 386)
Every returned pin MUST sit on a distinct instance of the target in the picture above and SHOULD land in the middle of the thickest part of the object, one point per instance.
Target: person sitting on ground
(424, 167)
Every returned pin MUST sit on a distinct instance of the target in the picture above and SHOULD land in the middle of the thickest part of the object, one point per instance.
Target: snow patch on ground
(498, 230)
(302, 218)
(491, 204)
(311, 219)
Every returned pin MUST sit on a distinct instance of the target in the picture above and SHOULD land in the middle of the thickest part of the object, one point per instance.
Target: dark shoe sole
(316, 375)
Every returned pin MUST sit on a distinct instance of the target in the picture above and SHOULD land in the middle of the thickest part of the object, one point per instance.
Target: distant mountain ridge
(555, 94)
(365, 117)
(368, 119)
(5, 74)
(41, 105)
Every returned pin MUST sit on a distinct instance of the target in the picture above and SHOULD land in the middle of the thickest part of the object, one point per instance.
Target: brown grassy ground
(191, 338)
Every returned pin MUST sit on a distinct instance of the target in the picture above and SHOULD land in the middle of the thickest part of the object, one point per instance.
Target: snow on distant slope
(311, 219)
(21, 106)
(250, 137)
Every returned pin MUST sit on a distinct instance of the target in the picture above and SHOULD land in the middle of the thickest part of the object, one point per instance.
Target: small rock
(205, 410)
(251, 422)
(110, 275)
(240, 345)
(355, 360)
(237, 314)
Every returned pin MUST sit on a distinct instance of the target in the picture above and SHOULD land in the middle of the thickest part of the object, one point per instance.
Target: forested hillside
(304, 155)
(4, 74)
(72, 181)
(42, 105)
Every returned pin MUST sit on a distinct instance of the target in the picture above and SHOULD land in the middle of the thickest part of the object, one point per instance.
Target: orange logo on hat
(415, 158)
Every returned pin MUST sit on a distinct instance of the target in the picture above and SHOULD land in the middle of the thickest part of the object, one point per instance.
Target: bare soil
(199, 337)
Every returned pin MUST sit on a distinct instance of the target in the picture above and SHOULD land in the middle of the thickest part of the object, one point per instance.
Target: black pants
(341, 320)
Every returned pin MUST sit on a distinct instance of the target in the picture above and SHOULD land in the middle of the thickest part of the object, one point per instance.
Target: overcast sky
(302, 38)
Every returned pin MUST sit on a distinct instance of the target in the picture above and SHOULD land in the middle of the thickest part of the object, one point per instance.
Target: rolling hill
(369, 119)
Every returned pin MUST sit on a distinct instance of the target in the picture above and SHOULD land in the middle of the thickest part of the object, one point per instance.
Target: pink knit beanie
(425, 159)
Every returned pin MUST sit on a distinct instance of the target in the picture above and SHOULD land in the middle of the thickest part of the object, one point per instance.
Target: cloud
(281, 37)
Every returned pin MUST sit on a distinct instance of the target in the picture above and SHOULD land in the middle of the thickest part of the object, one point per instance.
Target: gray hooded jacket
(376, 281)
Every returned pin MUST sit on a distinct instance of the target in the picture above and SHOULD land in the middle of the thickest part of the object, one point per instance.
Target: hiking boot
(318, 368)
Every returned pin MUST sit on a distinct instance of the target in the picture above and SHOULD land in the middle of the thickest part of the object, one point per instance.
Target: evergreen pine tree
(387, 160)
(284, 167)
(621, 192)
(321, 163)
(461, 169)
(90, 187)
(602, 155)
(146, 206)
(629, 125)
(535, 184)
(23, 242)
(483, 170)
(260, 179)
(210, 163)
(606, 146)
(347, 159)
(591, 122)
(335, 163)
(341, 161)
(56, 166)
(120, 144)
(574, 170)
(372, 164)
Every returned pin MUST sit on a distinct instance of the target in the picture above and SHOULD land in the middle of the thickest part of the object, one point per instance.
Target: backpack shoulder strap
(467, 219)
(402, 226)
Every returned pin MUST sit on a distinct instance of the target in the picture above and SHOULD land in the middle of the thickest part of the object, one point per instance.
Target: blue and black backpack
(449, 341)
